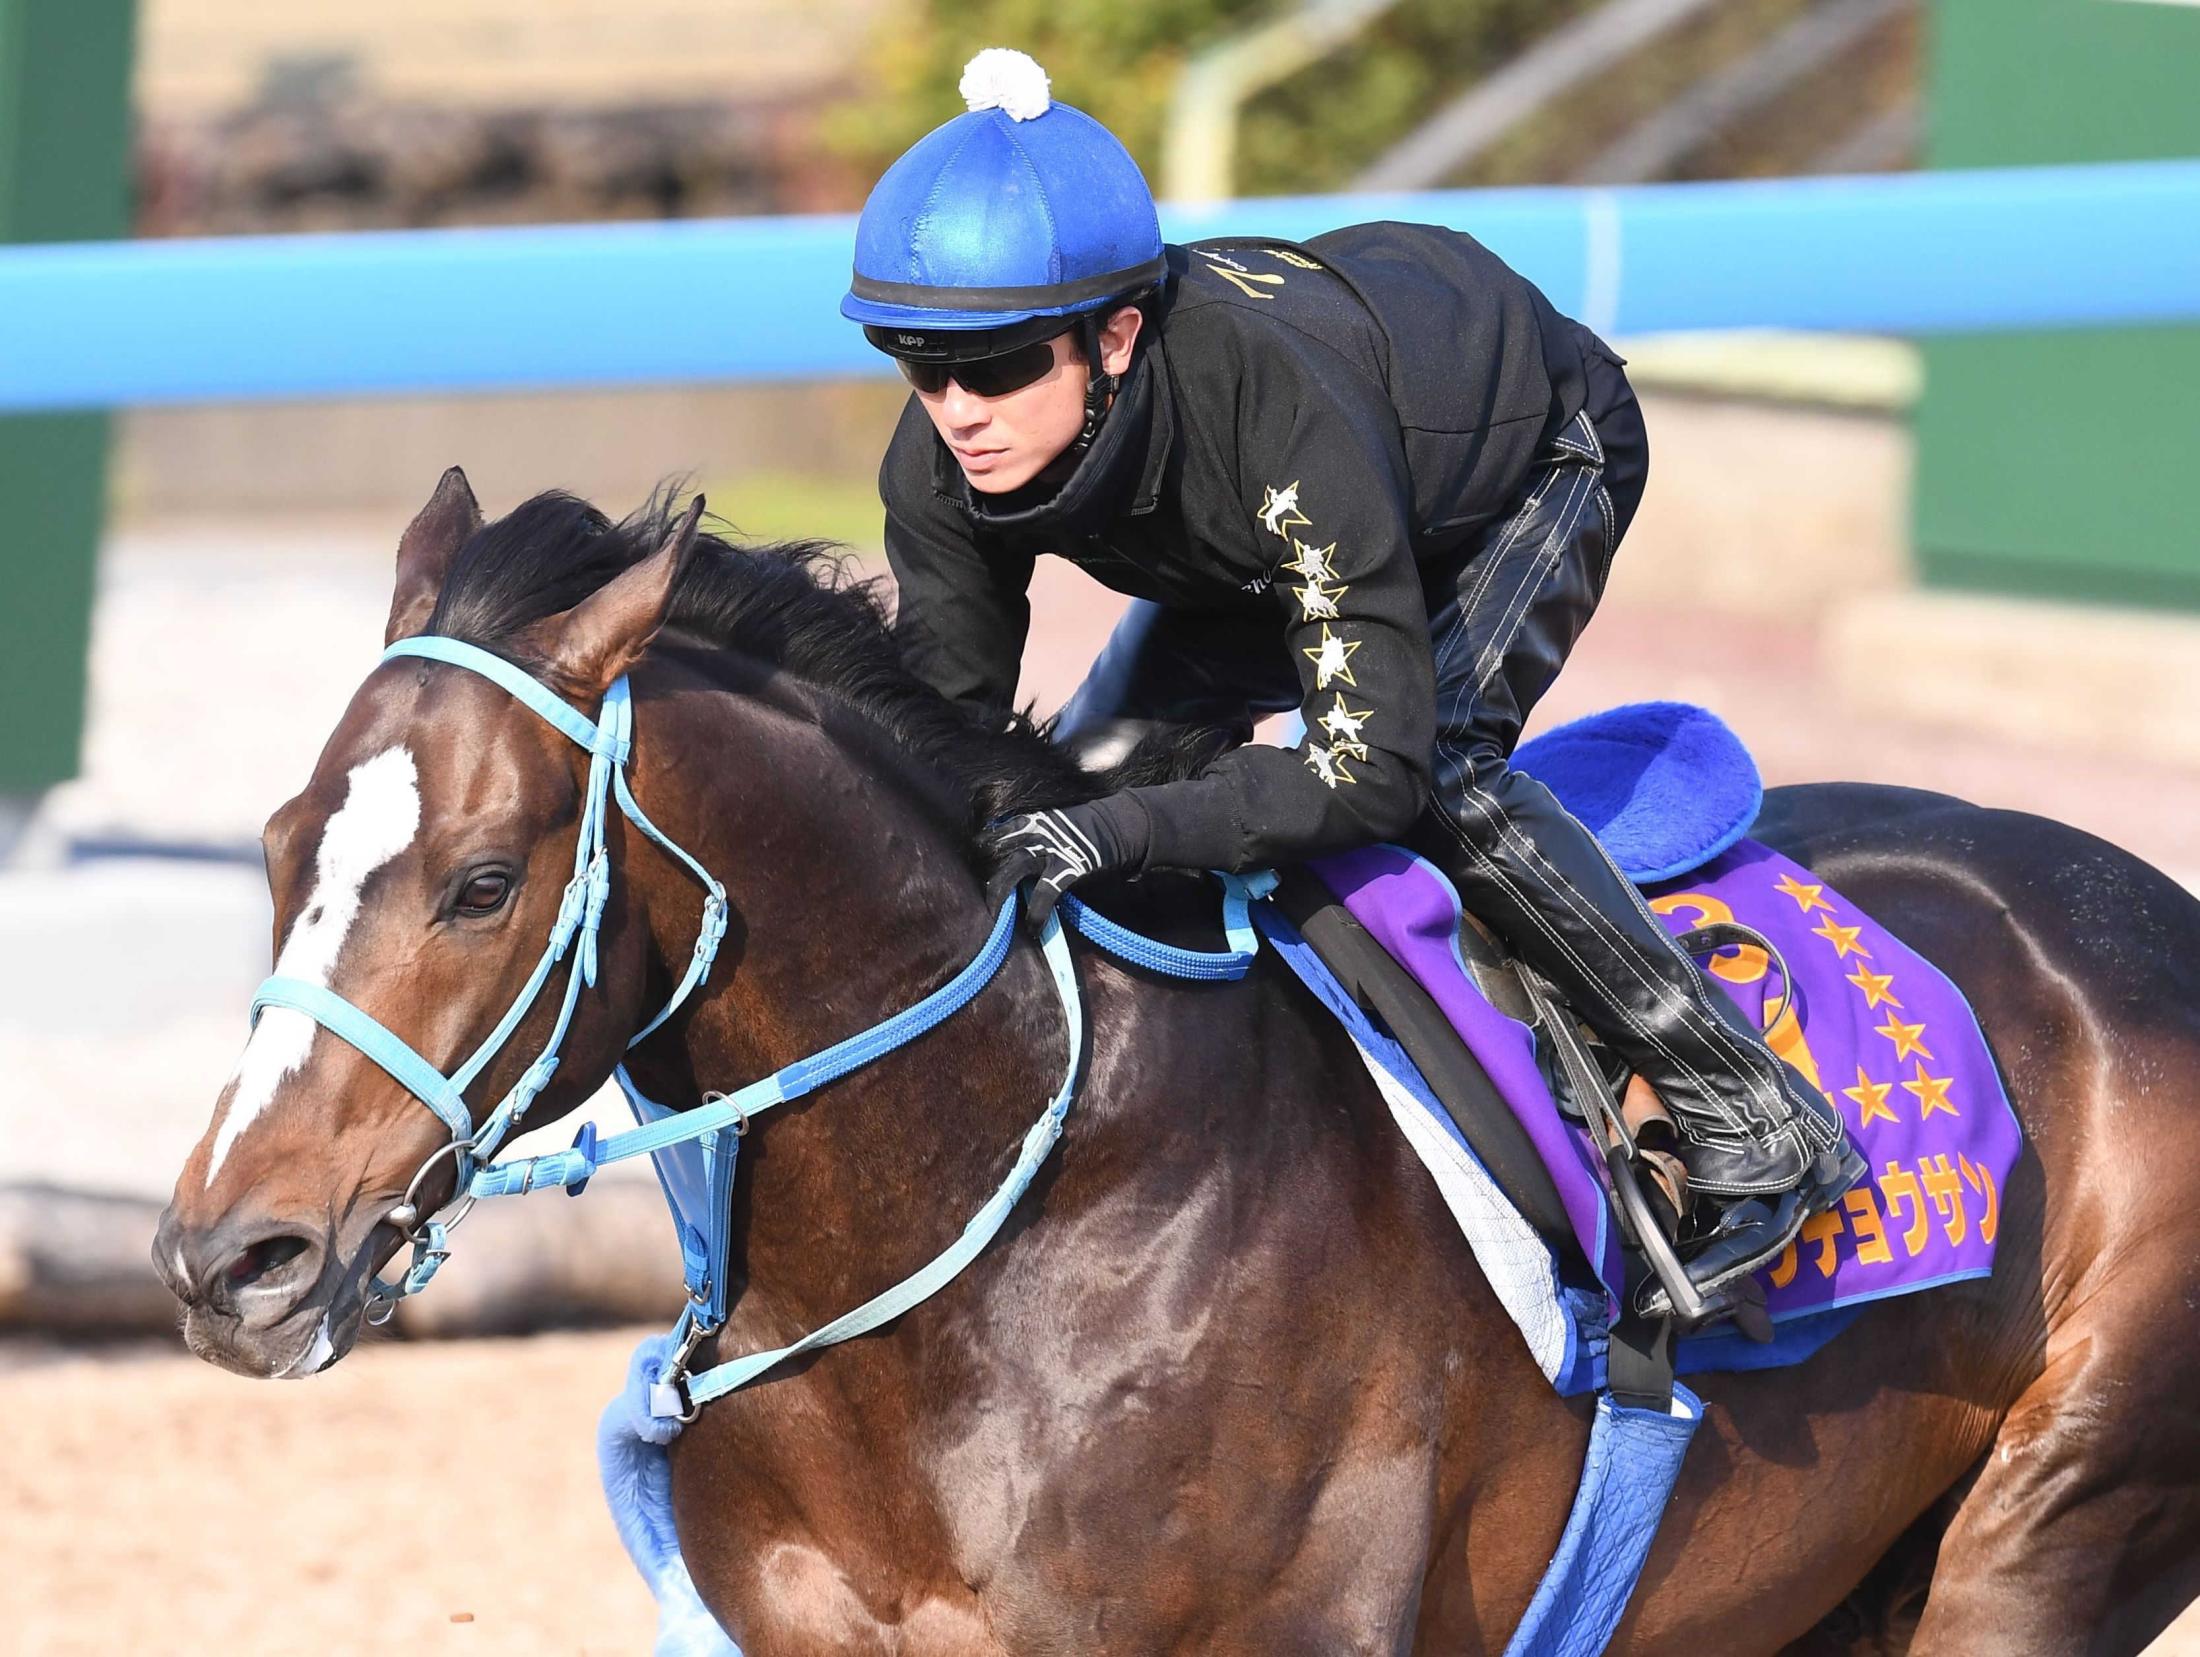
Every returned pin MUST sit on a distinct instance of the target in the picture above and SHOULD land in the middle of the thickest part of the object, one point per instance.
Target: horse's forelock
(544, 556)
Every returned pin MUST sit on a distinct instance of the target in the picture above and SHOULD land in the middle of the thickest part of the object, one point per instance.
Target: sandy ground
(416, 1498)
(359, 1512)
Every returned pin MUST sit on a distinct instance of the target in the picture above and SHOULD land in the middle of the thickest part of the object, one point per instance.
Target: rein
(697, 1150)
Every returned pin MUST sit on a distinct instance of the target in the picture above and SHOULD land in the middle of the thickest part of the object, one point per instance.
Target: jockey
(1374, 477)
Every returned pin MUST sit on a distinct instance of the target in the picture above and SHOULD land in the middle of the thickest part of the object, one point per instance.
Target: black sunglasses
(994, 376)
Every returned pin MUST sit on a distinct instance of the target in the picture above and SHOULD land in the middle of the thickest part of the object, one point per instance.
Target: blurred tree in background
(257, 118)
(1317, 130)
(1118, 60)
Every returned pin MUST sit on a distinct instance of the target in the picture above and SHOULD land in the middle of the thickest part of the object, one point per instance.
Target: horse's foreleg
(2082, 1531)
(1879, 1618)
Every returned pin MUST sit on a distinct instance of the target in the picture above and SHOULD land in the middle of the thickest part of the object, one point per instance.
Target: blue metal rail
(97, 324)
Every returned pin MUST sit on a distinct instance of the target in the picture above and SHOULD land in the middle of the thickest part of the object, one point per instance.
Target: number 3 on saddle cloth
(1671, 792)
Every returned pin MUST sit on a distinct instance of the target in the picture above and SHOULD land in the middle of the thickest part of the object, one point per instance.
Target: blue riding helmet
(1023, 209)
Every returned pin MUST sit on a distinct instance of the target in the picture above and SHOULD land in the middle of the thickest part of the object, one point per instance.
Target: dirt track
(155, 1505)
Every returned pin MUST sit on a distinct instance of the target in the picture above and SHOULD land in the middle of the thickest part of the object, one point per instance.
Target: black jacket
(1305, 425)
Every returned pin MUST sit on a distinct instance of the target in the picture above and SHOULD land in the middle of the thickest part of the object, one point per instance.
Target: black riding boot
(1752, 1125)
(1502, 621)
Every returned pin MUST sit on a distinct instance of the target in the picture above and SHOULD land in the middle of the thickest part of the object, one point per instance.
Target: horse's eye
(484, 894)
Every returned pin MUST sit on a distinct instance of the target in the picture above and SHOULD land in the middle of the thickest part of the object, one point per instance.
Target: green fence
(2062, 462)
(64, 167)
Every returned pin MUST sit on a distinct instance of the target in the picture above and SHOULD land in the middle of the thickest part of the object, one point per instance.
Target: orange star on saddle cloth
(1871, 1097)
(1932, 1092)
(1907, 1038)
(1843, 938)
(1807, 897)
(1877, 986)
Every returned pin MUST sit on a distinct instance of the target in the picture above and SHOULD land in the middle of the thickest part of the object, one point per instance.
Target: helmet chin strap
(1100, 386)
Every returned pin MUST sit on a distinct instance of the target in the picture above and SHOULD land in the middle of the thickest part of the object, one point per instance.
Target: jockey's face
(1003, 442)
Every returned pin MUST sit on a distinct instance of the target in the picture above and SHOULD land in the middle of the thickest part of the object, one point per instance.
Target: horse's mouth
(307, 1342)
(312, 1335)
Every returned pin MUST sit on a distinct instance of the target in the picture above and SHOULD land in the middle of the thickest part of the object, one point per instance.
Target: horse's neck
(849, 903)
(1214, 1183)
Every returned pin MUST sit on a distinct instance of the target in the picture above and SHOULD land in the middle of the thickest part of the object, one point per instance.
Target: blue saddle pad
(1665, 786)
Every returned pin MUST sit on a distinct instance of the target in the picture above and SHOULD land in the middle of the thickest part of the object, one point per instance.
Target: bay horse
(1229, 1381)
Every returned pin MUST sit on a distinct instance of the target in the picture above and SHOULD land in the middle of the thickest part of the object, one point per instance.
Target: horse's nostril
(268, 1255)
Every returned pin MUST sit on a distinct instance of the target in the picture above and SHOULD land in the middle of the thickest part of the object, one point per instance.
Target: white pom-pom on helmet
(1009, 81)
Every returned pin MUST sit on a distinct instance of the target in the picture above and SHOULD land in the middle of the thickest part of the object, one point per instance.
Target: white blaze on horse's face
(379, 818)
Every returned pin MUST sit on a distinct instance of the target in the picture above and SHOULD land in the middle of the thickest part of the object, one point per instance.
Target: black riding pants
(1503, 614)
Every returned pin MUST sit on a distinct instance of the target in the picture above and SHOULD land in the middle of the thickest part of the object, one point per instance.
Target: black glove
(1056, 849)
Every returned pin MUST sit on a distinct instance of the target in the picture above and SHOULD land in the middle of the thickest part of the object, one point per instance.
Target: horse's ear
(425, 551)
(601, 637)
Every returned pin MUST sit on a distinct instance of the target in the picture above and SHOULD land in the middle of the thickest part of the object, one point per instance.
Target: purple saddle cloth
(1875, 1025)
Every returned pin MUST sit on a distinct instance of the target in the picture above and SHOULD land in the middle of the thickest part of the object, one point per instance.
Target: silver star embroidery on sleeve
(1313, 564)
(1325, 764)
(1317, 605)
(1341, 724)
(1279, 510)
(1332, 659)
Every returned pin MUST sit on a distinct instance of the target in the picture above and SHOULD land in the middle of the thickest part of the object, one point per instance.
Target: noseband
(696, 1149)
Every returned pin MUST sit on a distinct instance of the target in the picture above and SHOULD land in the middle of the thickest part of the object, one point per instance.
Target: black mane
(793, 605)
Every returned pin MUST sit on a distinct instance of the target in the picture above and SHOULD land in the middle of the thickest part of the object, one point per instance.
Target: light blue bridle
(696, 1150)
(608, 740)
